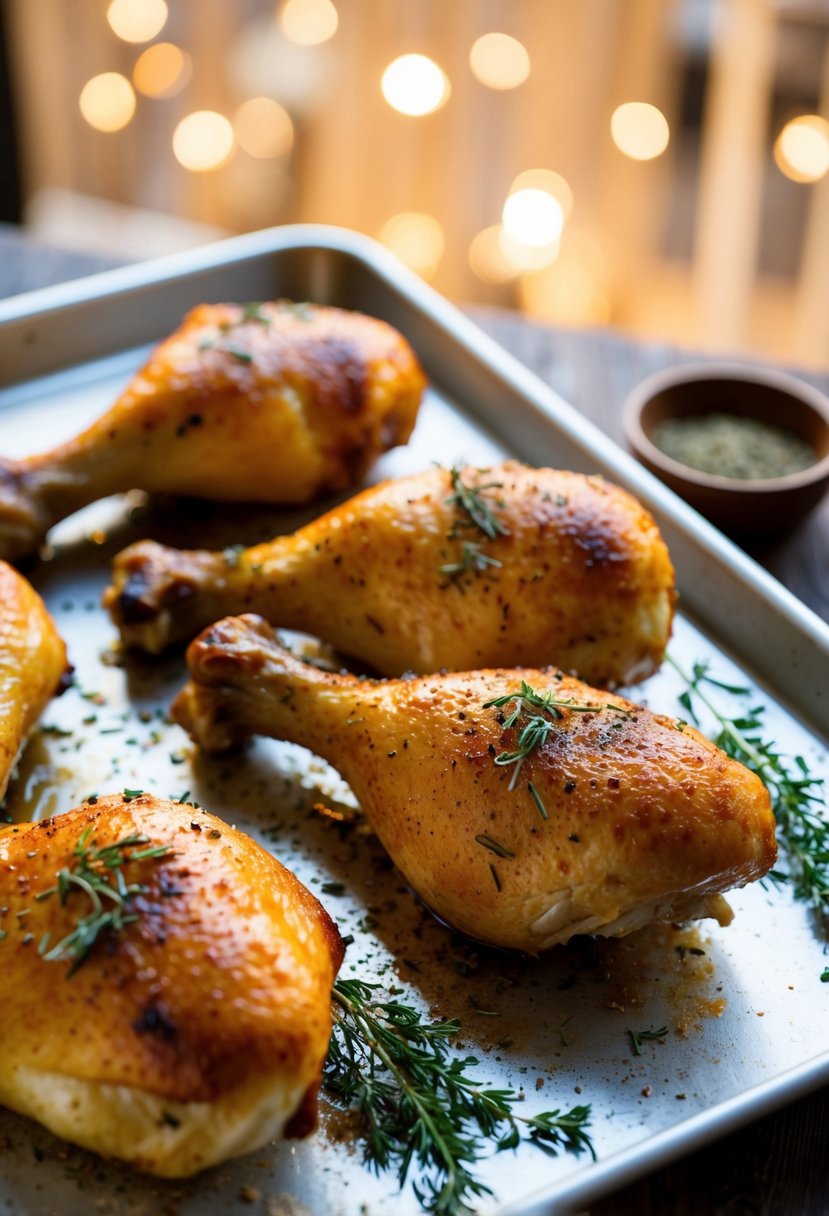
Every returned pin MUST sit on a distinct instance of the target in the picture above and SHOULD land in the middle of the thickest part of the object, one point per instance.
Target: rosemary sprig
(797, 796)
(252, 311)
(537, 727)
(420, 1107)
(494, 846)
(473, 501)
(472, 559)
(638, 1037)
(96, 873)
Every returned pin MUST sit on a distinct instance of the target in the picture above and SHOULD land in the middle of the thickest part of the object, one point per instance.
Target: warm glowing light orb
(136, 20)
(417, 239)
(161, 71)
(203, 141)
(566, 293)
(522, 257)
(107, 101)
(263, 128)
(801, 150)
(550, 182)
(486, 257)
(415, 85)
(499, 61)
(640, 130)
(533, 217)
(309, 22)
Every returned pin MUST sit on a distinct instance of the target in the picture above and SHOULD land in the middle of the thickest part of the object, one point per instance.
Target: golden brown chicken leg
(558, 568)
(193, 1030)
(271, 403)
(32, 665)
(522, 806)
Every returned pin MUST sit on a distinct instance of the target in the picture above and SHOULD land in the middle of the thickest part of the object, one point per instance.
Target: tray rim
(46, 304)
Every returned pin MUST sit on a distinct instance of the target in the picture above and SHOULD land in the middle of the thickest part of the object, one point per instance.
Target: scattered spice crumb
(285, 1205)
(249, 1194)
(646, 1091)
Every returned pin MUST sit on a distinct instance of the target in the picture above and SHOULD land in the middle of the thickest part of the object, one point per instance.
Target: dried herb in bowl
(733, 445)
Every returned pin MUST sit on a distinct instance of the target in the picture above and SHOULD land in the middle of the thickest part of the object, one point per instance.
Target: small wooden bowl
(762, 507)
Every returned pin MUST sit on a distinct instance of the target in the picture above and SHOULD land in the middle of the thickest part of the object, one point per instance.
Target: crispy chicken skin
(272, 403)
(579, 575)
(646, 819)
(32, 665)
(198, 1032)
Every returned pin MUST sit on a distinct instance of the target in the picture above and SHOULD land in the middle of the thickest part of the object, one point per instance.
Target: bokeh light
(550, 182)
(161, 71)
(107, 101)
(137, 20)
(566, 293)
(499, 61)
(801, 150)
(203, 141)
(533, 217)
(263, 128)
(487, 259)
(308, 22)
(572, 290)
(415, 85)
(417, 239)
(522, 257)
(640, 130)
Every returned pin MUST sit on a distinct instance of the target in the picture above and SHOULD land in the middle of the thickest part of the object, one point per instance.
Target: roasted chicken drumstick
(271, 403)
(446, 568)
(32, 665)
(522, 806)
(191, 1028)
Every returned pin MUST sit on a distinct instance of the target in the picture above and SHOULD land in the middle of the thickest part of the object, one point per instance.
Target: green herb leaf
(420, 1107)
(473, 560)
(638, 1037)
(253, 312)
(500, 850)
(534, 731)
(96, 873)
(474, 502)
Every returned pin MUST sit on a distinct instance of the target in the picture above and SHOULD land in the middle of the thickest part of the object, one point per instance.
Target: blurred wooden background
(708, 244)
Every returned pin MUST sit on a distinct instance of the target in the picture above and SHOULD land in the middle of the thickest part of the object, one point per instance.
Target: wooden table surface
(778, 1166)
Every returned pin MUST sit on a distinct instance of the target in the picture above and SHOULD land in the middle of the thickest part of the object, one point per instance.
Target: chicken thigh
(32, 665)
(522, 806)
(271, 403)
(445, 568)
(191, 1025)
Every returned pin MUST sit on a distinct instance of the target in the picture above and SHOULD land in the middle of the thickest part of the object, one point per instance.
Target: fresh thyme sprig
(96, 872)
(472, 559)
(475, 508)
(797, 796)
(420, 1107)
(638, 1037)
(473, 501)
(537, 727)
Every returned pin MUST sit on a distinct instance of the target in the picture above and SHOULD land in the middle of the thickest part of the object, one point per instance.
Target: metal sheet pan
(744, 1005)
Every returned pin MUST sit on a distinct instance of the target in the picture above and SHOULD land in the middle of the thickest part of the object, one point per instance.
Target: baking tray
(744, 1005)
